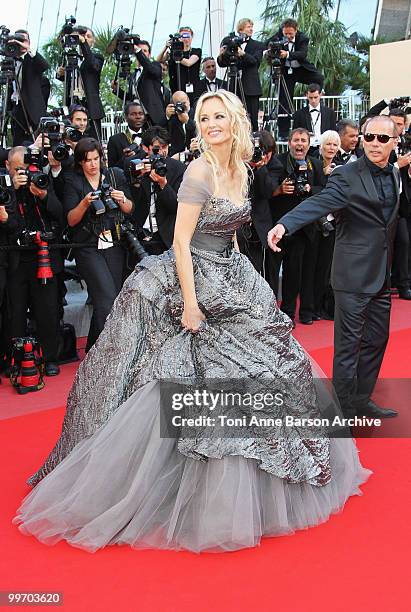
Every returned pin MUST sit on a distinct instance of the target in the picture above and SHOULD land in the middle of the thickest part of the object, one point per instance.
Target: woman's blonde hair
(242, 145)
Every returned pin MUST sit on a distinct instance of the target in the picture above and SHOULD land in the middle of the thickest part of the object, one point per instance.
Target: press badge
(290, 71)
(189, 88)
(105, 240)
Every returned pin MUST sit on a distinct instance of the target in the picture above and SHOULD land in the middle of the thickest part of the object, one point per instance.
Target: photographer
(89, 191)
(181, 127)
(300, 177)
(183, 59)
(145, 85)
(247, 56)
(155, 192)
(87, 92)
(295, 68)
(126, 144)
(26, 99)
(252, 237)
(36, 209)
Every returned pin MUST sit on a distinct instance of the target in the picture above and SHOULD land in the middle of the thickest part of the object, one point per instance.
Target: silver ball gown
(112, 479)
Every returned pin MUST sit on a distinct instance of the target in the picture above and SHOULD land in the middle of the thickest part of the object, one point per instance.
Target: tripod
(276, 109)
(123, 71)
(233, 79)
(7, 78)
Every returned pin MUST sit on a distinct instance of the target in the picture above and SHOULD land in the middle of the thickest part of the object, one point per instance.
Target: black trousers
(25, 290)
(400, 268)
(103, 271)
(19, 128)
(252, 104)
(300, 257)
(3, 343)
(323, 269)
(299, 75)
(361, 330)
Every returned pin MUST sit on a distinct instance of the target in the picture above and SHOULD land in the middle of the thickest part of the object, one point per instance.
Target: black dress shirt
(383, 179)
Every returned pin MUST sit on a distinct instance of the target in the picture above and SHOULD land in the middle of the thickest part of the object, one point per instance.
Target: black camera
(28, 238)
(404, 145)
(71, 133)
(5, 195)
(273, 54)
(399, 102)
(299, 179)
(133, 243)
(231, 45)
(136, 167)
(125, 41)
(180, 108)
(35, 175)
(176, 47)
(186, 157)
(8, 45)
(51, 128)
(158, 163)
(104, 202)
(258, 151)
(59, 111)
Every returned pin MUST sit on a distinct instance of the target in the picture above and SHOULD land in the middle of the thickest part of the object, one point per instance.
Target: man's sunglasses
(382, 138)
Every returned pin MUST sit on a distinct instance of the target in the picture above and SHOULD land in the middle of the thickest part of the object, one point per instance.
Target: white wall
(390, 73)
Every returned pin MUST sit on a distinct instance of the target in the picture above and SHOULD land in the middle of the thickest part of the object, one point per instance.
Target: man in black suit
(155, 196)
(88, 93)
(181, 126)
(35, 210)
(249, 55)
(125, 145)
(365, 194)
(316, 117)
(210, 82)
(295, 68)
(349, 150)
(27, 98)
(145, 85)
(300, 252)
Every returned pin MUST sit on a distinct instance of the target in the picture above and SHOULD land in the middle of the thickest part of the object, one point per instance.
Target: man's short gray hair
(344, 124)
(386, 118)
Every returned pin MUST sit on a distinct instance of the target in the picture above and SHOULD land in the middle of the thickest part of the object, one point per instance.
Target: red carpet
(358, 560)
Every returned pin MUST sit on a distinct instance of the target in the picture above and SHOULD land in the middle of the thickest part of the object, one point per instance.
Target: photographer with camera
(82, 81)
(183, 62)
(39, 219)
(299, 177)
(25, 95)
(252, 237)
(155, 182)
(144, 84)
(181, 126)
(125, 145)
(295, 68)
(244, 54)
(95, 200)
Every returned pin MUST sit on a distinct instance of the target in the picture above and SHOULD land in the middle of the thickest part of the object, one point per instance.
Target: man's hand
(194, 145)
(40, 142)
(283, 54)
(127, 152)
(24, 45)
(183, 117)
(3, 214)
(61, 71)
(287, 187)
(36, 191)
(307, 187)
(160, 180)
(240, 52)
(114, 85)
(53, 163)
(19, 179)
(170, 110)
(81, 38)
(404, 160)
(274, 236)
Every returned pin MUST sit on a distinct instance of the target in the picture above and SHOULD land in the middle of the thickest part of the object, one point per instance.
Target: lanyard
(314, 125)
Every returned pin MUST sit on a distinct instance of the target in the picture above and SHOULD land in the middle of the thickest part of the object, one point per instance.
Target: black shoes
(371, 409)
(306, 320)
(51, 369)
(404, 294)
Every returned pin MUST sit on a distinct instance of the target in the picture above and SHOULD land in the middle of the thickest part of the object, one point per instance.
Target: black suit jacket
(203, 86)
(302, 119)
(300, 49)
(363, 239)
(266, 180)
(180, 140)
(249, 65)
(90, 70)
(32, 87)
(166, 208)
(149, 90)
(116, 144)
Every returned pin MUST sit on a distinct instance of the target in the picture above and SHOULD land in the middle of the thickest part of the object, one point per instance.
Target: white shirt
(315, 117)
(151, 221)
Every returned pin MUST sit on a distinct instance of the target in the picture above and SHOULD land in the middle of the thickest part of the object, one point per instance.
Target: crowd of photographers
(66, 195)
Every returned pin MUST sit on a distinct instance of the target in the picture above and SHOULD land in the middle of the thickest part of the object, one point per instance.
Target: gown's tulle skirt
(112, 478)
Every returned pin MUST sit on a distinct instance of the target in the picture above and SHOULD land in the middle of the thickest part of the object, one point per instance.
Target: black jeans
(103, 271)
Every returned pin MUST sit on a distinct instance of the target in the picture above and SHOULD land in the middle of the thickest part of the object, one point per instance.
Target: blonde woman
(196, 314)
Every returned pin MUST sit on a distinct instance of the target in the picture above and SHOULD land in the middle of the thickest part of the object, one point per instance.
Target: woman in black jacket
(102, 262)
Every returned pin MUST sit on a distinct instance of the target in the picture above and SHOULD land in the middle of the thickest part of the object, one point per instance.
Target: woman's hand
(192, 318)
(87, 200)
(118, 196)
